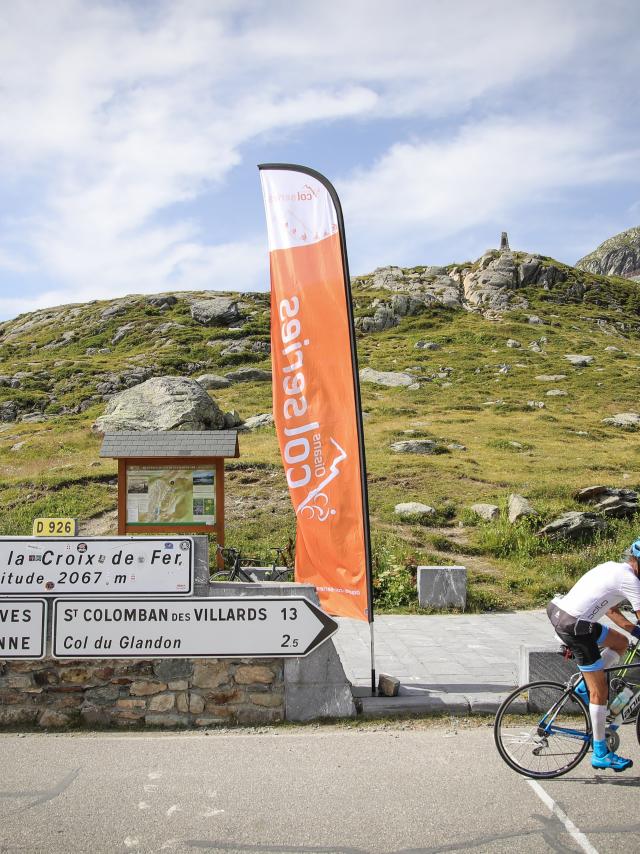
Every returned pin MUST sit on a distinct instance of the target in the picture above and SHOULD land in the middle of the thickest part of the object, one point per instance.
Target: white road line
(572, 830)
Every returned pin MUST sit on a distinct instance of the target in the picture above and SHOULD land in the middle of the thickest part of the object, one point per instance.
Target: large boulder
(572, 525)
(414, 511)
(626, 420)
(213, 381)
(393, 379)
(519, 508)
(600, 492)
(488, 512)
(161, 403)
(216, 311)
(265, 419)
(618, 507)
(579, 361)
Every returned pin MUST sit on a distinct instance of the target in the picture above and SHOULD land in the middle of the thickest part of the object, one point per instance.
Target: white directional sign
(23, 625)
(244, 627)
(96, 565)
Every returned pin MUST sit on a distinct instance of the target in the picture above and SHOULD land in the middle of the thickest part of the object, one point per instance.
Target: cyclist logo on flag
(320, 508)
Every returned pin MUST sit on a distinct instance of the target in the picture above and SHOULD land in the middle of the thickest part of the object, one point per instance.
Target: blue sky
(131, 130)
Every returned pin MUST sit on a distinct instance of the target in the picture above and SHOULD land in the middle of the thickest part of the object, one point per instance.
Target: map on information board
(167, 496)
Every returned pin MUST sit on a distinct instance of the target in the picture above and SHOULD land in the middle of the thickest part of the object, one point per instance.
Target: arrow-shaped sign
(240, 627)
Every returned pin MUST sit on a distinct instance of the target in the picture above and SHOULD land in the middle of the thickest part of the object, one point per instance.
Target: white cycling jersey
(603, 587)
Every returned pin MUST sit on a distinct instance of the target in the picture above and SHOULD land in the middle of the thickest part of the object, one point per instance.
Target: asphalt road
(399, 788)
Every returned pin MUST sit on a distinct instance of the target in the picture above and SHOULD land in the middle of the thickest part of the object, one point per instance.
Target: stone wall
(163, 693)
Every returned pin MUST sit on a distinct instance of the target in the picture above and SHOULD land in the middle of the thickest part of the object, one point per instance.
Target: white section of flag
(299, 209)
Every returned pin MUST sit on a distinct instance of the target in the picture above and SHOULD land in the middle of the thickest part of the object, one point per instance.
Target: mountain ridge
(616, 256)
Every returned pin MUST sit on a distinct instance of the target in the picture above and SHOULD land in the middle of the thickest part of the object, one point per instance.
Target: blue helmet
(634, 549)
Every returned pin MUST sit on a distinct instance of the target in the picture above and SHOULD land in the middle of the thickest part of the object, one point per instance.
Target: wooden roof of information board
(179, 443)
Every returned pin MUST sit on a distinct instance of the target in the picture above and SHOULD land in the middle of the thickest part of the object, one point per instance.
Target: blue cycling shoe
(612, 761)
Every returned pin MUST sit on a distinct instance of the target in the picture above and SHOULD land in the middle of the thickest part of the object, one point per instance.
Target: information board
(242, 627)
(23, 625)
(104, 565)
(170, 496)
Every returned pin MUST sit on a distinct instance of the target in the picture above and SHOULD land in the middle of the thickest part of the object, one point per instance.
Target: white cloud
(118, 116)
(484, 174)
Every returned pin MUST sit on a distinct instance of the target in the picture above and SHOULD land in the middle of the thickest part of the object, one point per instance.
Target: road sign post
(242, 627)
(106, 566)
(23, 625)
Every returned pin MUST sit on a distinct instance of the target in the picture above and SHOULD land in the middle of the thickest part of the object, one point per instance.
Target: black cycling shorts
(581, 636)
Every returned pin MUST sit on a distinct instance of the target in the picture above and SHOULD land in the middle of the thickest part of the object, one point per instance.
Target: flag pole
(356, 388)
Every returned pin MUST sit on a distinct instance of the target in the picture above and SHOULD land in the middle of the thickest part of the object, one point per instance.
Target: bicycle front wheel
(542, 730)
(221, 575)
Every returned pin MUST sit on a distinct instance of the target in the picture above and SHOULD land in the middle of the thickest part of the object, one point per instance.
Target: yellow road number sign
(55, 527)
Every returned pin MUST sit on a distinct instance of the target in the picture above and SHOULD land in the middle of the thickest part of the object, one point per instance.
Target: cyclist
(575, 620)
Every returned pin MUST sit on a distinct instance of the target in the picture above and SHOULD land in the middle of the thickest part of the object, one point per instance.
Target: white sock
(598, 721)
(610, 657)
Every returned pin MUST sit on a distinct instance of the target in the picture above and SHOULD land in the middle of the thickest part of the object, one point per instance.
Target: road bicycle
(236, 567)
(543, 729)
(240, 568)
(279, 570)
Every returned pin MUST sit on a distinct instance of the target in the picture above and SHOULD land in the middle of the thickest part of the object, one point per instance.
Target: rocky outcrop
(610, 501)
(617, 256)
(162, 403)
(162, 300)
(489, 285)
(492, 284)
(217, 311)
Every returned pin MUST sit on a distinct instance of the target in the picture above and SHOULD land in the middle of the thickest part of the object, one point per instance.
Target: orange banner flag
(316, 400)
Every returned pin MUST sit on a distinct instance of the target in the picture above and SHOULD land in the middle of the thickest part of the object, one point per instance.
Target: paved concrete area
(450, 663)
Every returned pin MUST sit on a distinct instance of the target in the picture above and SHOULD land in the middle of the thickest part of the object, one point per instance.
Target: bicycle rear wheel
(542, 730)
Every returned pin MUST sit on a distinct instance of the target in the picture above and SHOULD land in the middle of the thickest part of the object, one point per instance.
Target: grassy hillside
(474, 392)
